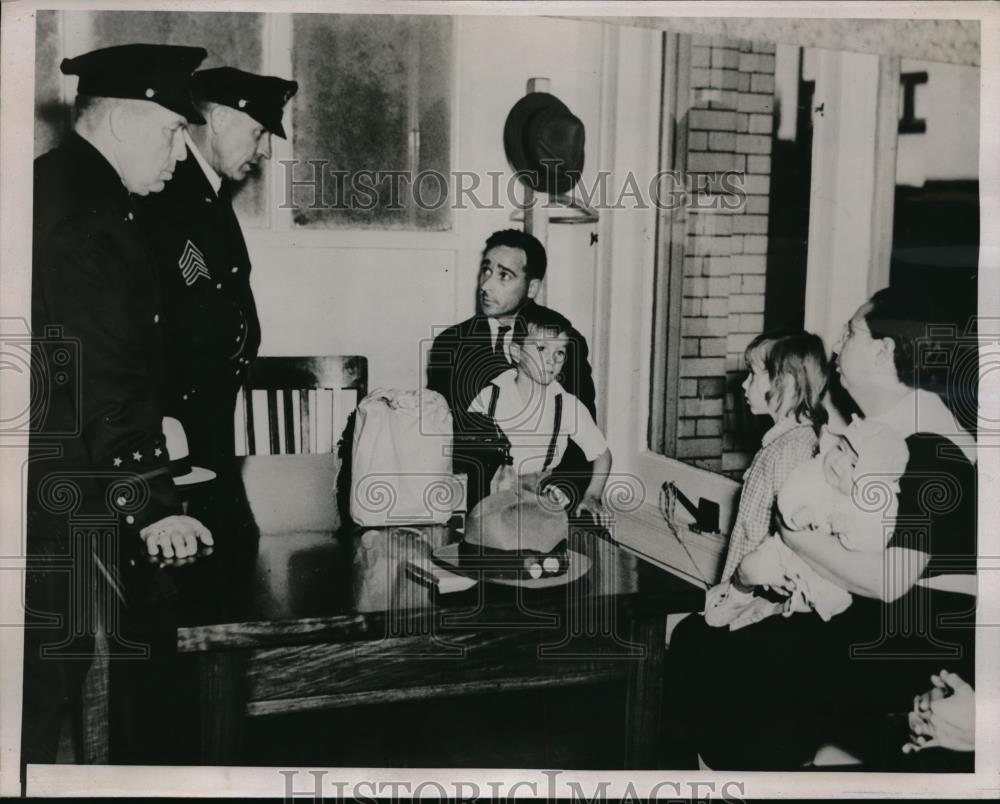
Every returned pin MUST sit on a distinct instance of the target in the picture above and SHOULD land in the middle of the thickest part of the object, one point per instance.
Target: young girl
(787, 376)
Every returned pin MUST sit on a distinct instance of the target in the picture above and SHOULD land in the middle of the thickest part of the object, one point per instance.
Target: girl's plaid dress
(788, 444)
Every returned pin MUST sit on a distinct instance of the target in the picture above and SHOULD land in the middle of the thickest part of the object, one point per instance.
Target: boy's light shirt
(530, 429)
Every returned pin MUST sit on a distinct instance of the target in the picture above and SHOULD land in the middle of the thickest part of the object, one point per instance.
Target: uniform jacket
(211, 323)
(97, 355)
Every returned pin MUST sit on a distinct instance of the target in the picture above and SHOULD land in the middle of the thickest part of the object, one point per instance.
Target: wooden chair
(306, 402)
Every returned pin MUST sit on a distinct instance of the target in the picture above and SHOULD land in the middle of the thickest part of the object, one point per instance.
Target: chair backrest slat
(272, 421)
(289, 422)
(305, 430)
(248, 416)
(295, 427)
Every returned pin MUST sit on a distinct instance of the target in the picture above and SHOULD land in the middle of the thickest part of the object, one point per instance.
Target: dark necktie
(498, 350)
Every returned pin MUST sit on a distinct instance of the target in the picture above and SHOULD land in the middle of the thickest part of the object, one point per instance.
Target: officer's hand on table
(175, 536)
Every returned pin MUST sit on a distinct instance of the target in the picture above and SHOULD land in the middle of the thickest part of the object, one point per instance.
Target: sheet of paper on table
(429, 573)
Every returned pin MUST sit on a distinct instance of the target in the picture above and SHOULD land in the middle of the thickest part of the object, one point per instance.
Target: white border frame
(16, 82)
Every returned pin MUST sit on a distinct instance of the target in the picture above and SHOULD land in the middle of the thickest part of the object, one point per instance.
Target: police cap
(158, 73)
(263, 97)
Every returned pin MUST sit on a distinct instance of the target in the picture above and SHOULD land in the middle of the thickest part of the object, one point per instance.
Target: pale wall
(949, 149)
(384, 295)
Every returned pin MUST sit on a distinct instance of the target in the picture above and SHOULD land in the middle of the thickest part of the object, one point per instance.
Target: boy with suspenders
(537, 415)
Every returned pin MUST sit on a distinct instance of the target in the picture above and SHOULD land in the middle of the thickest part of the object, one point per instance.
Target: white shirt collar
(213, 178)
(508, 378)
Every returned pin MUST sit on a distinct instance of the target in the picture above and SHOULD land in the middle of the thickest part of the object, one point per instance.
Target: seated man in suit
(467, 356)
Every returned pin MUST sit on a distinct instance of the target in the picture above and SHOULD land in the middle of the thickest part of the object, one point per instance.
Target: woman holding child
(748, 690)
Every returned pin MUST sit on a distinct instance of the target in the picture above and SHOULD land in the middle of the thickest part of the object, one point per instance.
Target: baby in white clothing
(850, 490)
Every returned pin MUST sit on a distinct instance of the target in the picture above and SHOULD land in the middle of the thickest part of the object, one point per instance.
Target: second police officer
(212, 328)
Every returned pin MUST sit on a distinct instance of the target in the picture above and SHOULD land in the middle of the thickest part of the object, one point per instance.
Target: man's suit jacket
(210, 317)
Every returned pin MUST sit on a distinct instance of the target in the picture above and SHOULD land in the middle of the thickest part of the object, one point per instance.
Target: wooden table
(292, 612)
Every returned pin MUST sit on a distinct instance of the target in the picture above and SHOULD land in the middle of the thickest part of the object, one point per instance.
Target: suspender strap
(492, 412)
(555, 433)
(557, 424)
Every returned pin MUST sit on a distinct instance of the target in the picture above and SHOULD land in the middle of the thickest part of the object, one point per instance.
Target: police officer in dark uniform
(211, 323)
(100, 493)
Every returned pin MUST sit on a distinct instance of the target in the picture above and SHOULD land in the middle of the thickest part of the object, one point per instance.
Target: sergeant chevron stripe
(192, 264)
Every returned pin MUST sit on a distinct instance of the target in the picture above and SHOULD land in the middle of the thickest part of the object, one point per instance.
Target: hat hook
(576, 211)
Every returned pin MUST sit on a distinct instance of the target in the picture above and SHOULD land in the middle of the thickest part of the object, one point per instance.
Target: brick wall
(729, 128)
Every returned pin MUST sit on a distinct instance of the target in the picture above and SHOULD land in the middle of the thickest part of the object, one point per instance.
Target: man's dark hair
(903, 316)
(539, 318)
(534, 251)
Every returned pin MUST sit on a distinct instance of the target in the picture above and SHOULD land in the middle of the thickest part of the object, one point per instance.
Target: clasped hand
(943, 716)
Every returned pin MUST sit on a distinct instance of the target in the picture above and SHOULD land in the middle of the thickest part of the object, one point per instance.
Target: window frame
(281, 229)
(660, 391)
(647, 468)
(668, 261)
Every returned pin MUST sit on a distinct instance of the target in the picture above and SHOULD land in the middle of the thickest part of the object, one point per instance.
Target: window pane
(371, 89)
(713, 266)
(231, 39)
